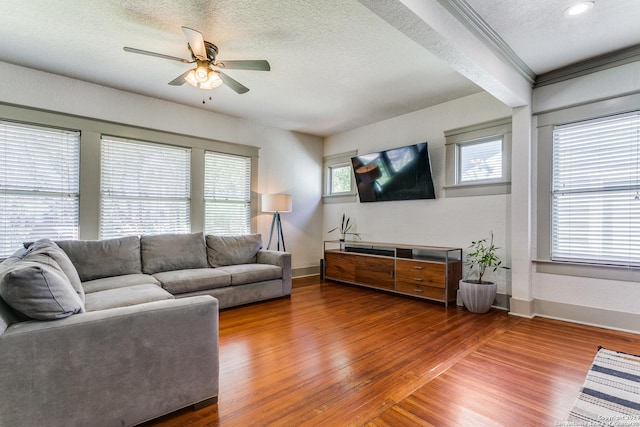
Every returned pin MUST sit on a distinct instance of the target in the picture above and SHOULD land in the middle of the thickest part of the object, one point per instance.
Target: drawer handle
(418, 290)
(417, 267)
(417, 279)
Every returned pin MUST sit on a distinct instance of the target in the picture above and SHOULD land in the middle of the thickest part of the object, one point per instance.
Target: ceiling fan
(207, 74)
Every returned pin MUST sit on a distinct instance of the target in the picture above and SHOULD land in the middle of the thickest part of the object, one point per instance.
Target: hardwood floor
(336, 355)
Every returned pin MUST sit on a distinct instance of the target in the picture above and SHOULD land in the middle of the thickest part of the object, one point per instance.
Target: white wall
(618, 300)
(441, 222)
(289, 162)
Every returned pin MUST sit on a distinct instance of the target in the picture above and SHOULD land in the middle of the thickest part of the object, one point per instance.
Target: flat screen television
(402, 173)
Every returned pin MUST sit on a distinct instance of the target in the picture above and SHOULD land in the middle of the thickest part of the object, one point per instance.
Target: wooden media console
(430, 272)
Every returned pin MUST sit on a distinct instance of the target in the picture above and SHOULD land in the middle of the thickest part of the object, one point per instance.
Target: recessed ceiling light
(579, 8)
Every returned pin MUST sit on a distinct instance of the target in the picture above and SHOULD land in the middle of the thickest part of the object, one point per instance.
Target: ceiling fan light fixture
(213, 79)
(201, 73)
(211, 82)
(191, 78)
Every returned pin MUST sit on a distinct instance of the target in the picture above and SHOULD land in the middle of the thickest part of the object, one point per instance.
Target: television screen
(402, 173)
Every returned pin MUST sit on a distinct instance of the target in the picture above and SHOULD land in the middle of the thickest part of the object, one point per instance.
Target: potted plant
(477, 294)
(344, 228)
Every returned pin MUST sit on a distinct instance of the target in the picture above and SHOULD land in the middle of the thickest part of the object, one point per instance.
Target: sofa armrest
(120, 366)
(280, 259)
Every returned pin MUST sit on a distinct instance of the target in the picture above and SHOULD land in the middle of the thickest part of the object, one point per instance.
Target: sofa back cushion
(95, 259)
(232, 250)
(36, 286)
(168, 252)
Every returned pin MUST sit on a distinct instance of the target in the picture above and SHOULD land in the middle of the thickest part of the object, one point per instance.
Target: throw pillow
(37, 288)
(232, 250)
(47, 248)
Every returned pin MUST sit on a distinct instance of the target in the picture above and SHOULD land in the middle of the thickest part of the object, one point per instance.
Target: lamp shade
(369, 173)
(276, 203)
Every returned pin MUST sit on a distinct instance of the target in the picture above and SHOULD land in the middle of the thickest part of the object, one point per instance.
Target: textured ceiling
(546, 40)
(335, 64)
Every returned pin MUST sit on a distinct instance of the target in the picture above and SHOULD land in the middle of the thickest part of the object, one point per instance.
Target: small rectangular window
(339, 182)
(340, 179)
(39, 184)
(480, 161)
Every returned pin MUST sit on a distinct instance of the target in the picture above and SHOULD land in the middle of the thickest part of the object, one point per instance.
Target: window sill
(594, 271)
(479, 189)
(339, 198)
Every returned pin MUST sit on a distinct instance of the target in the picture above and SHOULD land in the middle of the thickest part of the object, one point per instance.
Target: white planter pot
(478, 297)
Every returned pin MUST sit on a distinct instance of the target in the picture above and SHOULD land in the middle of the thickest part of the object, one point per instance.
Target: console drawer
(420, 290)
(423, 273)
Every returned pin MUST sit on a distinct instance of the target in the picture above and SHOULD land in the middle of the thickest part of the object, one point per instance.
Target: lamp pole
(276, 203)
(275, 221)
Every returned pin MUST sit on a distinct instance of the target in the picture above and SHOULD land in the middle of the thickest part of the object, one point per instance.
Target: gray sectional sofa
(120, 331)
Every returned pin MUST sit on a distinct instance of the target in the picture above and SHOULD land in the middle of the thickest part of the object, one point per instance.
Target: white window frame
(39, 180)
(545, 125)
(236, 195)
(332, 168)
(459, 160)
(337, 161)
(477, 134)
(165, 188)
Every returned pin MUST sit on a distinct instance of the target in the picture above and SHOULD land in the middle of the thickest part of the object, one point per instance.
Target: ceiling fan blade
(196, 42)
(158, 55)
(233, 84)
(255, 65)
(180, 80)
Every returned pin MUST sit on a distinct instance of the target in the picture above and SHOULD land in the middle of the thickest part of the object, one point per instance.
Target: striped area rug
(610, 395)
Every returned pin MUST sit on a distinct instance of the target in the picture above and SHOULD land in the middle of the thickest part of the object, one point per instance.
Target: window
(478, 159)
(39, 184)
(595, 191)
(145, 188)
(227, 193)
(339, 181)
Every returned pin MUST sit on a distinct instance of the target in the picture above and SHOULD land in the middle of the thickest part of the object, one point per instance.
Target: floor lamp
(276, 203)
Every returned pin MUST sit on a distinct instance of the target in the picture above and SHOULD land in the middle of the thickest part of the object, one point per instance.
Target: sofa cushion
(252, 273)
(197, 279)
(231, 250)
(46, 247)
(168, 252)
(123, 281)
(95, 259)
(37, 287)
(123, 297)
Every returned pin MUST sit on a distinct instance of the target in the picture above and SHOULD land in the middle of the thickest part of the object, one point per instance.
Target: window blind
(480, 161)
(227, 192)
(145, 188)
(39, 184)
(595, 191)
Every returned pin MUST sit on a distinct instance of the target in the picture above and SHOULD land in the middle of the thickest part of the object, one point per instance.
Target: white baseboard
(591, 316)
(305, 271)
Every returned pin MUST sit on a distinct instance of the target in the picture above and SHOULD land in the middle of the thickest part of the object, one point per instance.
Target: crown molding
(471, 20)
(599, 63)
